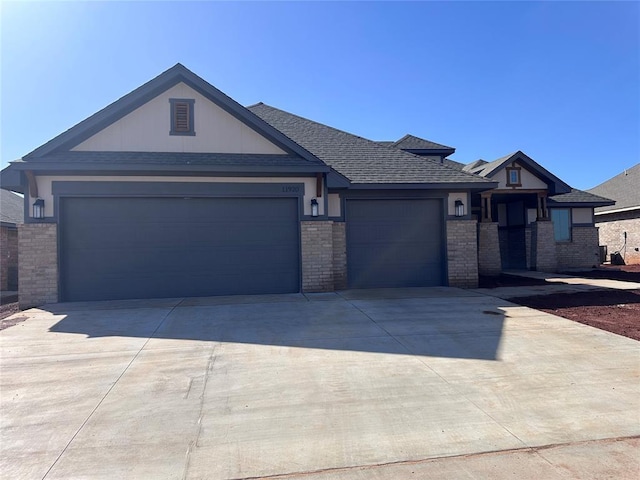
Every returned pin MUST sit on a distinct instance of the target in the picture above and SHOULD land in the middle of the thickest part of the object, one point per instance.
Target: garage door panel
(115, 248)
(394, 243)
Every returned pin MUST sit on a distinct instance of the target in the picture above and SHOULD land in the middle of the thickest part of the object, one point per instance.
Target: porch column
(543, 213)
(485, 204)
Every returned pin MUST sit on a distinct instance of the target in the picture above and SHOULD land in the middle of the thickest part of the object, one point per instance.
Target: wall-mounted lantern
(459, 208)
(314, 207)
(38, 208)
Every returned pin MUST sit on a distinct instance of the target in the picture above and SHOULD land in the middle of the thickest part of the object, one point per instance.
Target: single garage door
(119, 248)
(394, 243)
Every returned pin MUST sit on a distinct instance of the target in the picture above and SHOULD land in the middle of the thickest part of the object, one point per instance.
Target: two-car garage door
(119, 248)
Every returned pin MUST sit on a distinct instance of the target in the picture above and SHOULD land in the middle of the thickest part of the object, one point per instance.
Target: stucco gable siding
(528, 179)
(146, 129)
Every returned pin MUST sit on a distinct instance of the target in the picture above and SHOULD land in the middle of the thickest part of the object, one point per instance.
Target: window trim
(518, 171)
(172, 119)
(569, 225)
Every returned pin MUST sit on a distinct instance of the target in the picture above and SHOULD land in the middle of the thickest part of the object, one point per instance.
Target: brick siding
(8, 258)
(612, 234)
(38, 264)
(317, 256)
(489, 262)
(581, 252)
(462, 253)
(543, 247)
(339, 256)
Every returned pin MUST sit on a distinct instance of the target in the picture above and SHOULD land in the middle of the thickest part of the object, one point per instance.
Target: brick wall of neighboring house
(38, 264)
(317, 256)
(462, 253)
(612, 227)
(543, 247)
(339, 256)
(581, 252)
(8, 258)
(489, 262)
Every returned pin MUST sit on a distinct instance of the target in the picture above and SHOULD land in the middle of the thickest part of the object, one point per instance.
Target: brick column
(38, 264)
(339, 256)
(489, 262)
(8, 258)
(317, 256)
(543, 247)
(462, 253)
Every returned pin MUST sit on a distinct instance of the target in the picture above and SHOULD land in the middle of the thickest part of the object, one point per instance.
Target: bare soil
(616, 311)
(509, 281)
(8, 310)
(626, 273)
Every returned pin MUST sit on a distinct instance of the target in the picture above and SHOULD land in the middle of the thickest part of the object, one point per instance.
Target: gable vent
(182, 116)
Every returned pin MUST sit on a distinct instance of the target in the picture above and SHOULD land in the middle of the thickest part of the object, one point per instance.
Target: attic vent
(182, 116)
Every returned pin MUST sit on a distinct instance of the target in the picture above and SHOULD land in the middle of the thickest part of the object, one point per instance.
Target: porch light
(459, 208)
(314, 207)
(38, 208)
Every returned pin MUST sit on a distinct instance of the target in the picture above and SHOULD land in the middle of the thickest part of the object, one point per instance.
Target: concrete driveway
(364, 384)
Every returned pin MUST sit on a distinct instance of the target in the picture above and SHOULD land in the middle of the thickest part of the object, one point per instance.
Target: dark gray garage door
(394, 243)
(118, 248)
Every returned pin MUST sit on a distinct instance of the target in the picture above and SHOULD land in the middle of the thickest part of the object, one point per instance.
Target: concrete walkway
(441, 382)
(557, 284)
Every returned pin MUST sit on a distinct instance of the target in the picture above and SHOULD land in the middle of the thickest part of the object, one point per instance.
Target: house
(619, 224)
(11, 215)
(177, 190)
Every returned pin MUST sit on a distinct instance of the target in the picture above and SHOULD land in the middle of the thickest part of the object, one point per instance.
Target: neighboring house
(619, 224)
(177, 190)
(11, 215)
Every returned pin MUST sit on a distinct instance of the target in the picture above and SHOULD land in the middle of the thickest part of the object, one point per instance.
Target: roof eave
(473, 186)
(75, 168)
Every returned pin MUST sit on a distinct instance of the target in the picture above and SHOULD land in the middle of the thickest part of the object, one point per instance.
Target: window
(182, 116)
(561, 218)
(513, 177)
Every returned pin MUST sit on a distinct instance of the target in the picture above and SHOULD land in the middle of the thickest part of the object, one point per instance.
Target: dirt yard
(616, 311)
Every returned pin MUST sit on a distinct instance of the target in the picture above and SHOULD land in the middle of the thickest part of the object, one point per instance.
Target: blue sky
(559, 81)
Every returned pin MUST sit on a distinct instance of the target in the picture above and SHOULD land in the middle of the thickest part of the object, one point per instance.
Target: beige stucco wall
(146, 129)
(334, 205)
(582, 215)
(45, 182)
(528, 179)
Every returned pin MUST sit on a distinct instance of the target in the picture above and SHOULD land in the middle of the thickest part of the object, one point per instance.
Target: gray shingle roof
(362, 161)
(11, 207)
(484, 169)
(623, 188)
(411, 142)
(578, 196)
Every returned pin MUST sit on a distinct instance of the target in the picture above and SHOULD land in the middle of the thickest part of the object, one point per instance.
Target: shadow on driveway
(429, 322)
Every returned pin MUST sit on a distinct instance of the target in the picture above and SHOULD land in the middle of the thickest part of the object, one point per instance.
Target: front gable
(148, 129)
(526, 180)
(141, 121)
(527, 174)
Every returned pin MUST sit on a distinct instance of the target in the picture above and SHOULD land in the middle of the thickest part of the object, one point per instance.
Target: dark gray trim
(337, 180)
(9, 225)
(192, 129)
(582, 225)
(425, 186)
(173, 189)
(176, 74)
(12, 179)
(552, 204)
(42, 168)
